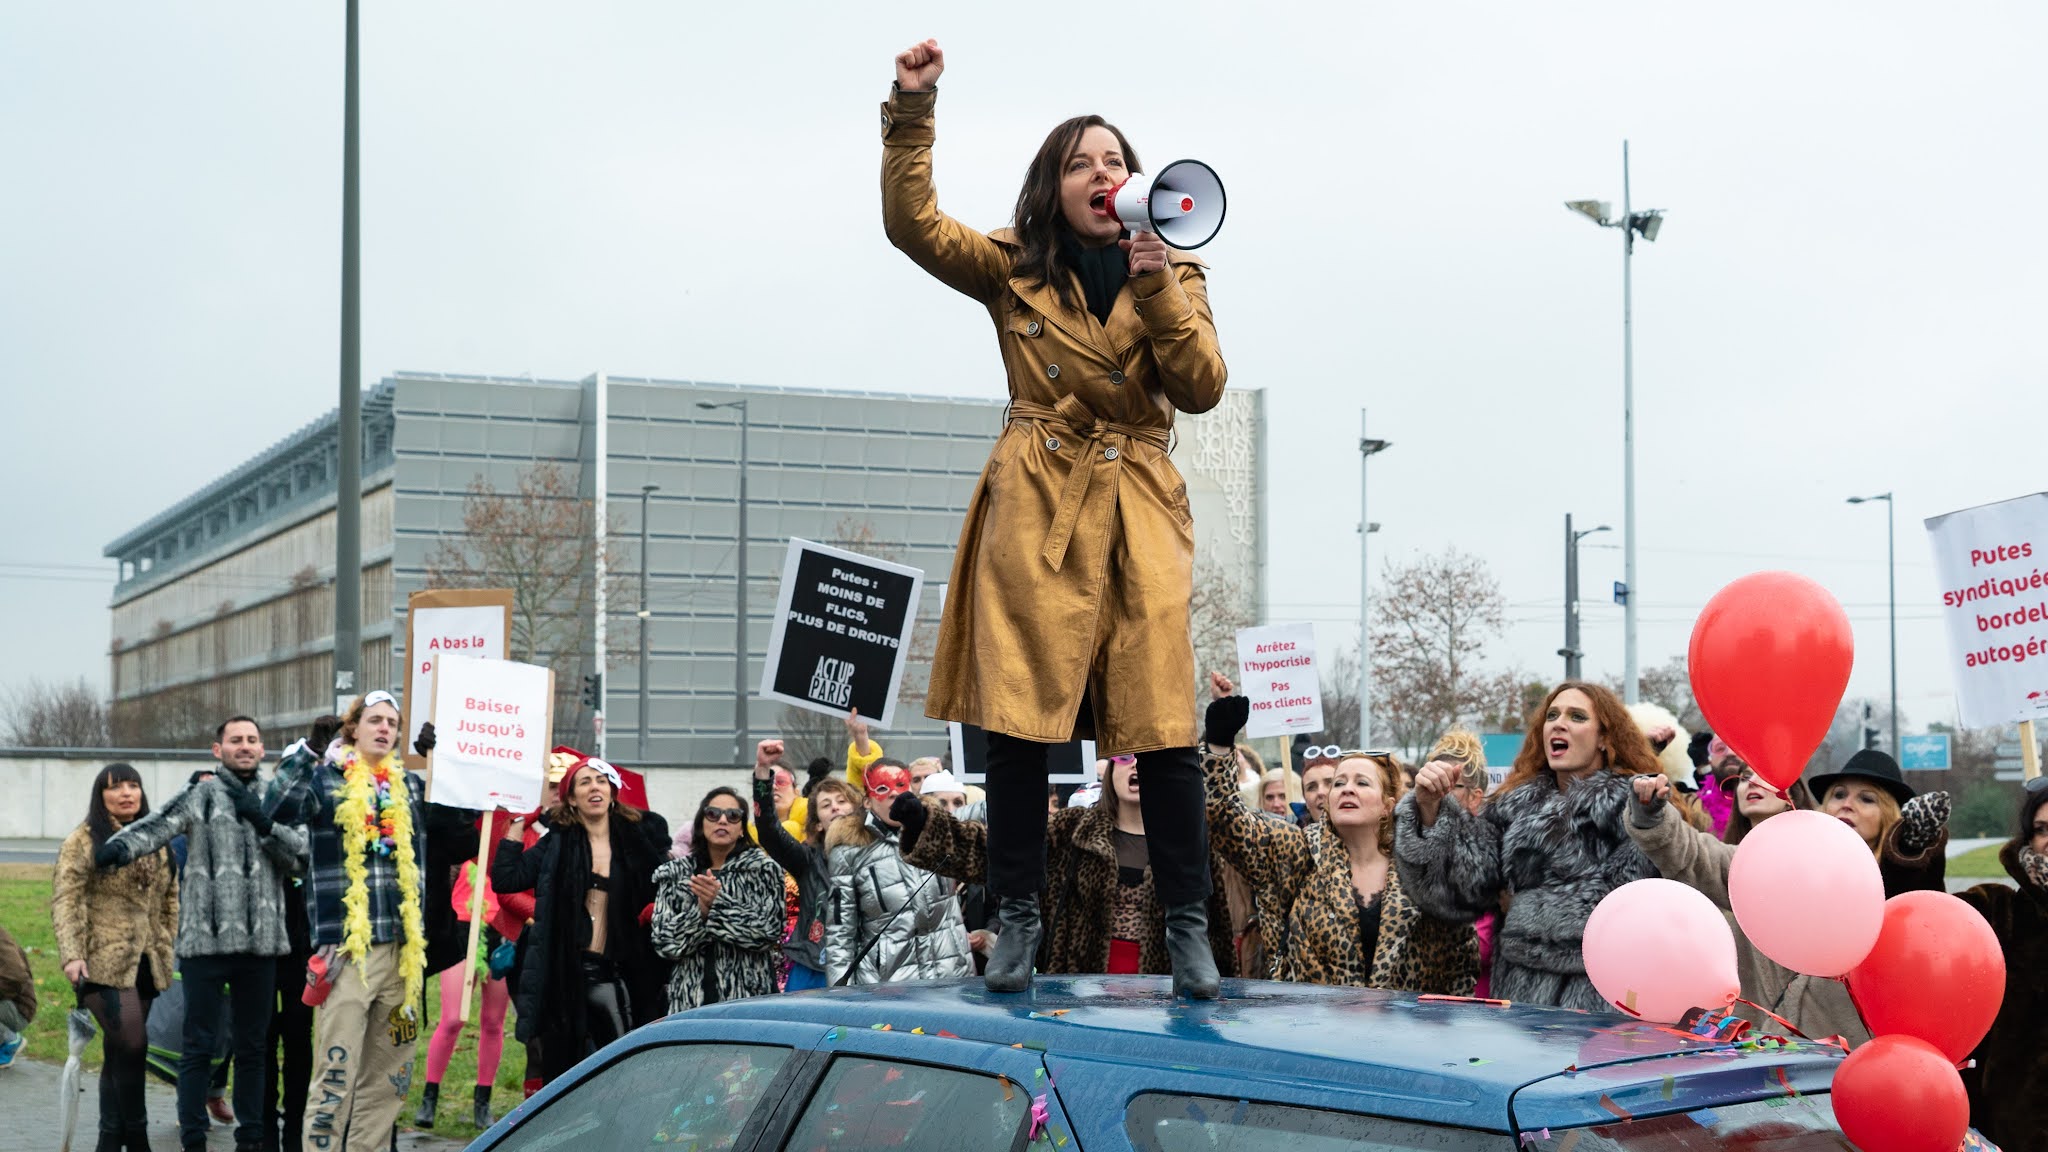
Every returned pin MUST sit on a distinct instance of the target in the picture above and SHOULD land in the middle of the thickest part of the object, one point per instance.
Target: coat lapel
(1078, 323)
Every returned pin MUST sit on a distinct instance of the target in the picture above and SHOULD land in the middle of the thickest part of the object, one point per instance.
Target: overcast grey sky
(1847, 296)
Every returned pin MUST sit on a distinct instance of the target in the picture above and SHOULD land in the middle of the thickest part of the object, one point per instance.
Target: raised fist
(918, 66)
(767, 754)
(1432, 784)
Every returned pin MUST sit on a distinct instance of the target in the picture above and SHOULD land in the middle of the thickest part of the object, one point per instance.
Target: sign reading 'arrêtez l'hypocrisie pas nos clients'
(842, 625)
(1277, 673)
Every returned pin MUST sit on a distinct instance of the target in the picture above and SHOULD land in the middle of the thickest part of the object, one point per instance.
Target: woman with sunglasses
(1340, 911)
(1698, 859)
(1103, 908)
(2009, 1081)
(1553, 841)
(718, 911)
(886, 919)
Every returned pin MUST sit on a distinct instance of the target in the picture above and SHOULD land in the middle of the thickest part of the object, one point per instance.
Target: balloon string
(1787, 1025)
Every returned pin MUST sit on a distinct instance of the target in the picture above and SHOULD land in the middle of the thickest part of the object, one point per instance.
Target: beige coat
(1076, 561)
(111, 920)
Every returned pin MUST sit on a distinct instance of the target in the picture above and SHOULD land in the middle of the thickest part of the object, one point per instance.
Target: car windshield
(1782, 1124)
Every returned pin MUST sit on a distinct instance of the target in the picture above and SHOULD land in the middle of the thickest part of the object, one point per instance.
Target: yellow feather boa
(354, 818)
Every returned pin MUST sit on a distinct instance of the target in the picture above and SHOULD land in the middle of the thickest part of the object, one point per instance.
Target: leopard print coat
(1301, 881)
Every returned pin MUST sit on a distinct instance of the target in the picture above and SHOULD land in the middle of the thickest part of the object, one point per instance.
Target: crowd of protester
(332, 881)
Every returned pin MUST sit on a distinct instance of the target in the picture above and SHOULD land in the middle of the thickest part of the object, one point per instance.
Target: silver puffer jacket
(874, 892)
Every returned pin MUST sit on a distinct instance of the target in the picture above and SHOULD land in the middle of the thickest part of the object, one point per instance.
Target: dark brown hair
(1039, 221)
(1628, 750)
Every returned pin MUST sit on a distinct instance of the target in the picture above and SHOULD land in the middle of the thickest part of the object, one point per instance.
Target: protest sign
(842, 625)
(1992, 563)
(491, 724)
(1069, 763)
(1277, 672)
(470, 621)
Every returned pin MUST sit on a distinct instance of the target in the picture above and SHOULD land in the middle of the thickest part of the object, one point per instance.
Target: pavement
(29, 851)
(34, 1122)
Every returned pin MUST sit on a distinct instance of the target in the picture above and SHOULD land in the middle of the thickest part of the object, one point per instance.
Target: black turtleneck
(1102, 271)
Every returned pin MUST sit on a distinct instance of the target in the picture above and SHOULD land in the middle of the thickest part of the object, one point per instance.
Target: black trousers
(1169, 794)
(247, 982)
(288, 1075)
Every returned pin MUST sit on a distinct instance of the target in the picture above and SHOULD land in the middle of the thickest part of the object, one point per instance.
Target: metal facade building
(224, 601)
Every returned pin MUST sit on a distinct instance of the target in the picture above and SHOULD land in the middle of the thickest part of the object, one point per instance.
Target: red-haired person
(1554, 840)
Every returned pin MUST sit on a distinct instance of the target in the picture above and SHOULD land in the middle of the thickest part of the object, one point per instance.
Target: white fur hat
(1676, 764)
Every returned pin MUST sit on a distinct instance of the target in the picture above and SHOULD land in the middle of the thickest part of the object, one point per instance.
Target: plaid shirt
(306, 791)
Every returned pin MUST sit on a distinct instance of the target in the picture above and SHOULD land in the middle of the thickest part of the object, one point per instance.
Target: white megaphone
(1183, 204)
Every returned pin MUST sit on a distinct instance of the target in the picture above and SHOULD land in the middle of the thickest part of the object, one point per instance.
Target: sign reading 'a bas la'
(842, 628)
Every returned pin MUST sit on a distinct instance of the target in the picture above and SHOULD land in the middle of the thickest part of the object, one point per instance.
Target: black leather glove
(424, 742)
(249, 807)
(112, 854)
(909, 814)
(1225, 720)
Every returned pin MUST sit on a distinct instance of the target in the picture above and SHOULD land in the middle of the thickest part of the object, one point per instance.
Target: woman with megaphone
(1068, 607)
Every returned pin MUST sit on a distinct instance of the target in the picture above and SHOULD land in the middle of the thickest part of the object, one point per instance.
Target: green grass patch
(1978, 863)
(25, 913)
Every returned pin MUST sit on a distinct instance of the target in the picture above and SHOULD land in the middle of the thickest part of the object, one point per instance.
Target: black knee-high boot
(1170, 795)
(1016, 857)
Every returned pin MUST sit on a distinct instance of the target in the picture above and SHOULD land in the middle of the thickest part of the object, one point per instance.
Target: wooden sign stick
(2030, 752)
(476, 914)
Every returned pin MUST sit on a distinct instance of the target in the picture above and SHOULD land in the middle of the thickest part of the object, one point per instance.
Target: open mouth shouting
(1559, 746)
(1099, 203)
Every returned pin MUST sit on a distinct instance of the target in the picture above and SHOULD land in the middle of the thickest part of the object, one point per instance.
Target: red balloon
(1769, 660)
(1936, 973)
(1897, 1094)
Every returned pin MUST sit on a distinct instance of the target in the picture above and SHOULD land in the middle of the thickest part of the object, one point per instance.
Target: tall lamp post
(739, 656)
(1631, 222)
(348, 490)
(646, 617)
(1571, 651)
(1892, 579)
(1367, 449)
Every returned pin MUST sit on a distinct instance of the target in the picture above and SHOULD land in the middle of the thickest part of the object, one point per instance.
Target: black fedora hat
(1872, 765)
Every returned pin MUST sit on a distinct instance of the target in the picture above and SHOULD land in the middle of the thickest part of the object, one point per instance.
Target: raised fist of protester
(424, 743)
(918, 66)
(767, 754)
(1224, 720)
(112, 854)
(249, 809)
(909, 814)
(857, 732)
(1144, 252)
(1432, 784)
(1220, 686)
(1651, 792)
(1921, 822)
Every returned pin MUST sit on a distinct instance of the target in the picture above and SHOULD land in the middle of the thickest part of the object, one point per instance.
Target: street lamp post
(646, 617)
(1367, 449)
(348, 491)
(739, 667)
(1571, 651)
(1892, 580)
(1648, 224)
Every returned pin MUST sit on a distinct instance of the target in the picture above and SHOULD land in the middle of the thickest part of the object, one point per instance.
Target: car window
(865, 1103)
(1780, 1124)
(675, 1098)
(1166, 1122)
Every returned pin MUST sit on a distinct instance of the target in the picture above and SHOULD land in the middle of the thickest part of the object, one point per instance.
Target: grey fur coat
(1554, 855)
(231, 896)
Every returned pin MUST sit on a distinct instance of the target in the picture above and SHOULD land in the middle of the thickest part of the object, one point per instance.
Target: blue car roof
(1576, 1067)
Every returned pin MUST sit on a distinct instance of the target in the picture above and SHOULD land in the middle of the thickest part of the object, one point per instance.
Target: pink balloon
(1658, 949)
(1806, 890)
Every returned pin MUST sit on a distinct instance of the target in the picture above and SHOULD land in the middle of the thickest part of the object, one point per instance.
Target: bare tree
(1340, 698)
(1670, 685)
(539, 541)
(1430, 631)
(41, 714)
(181, 717)
(1220, 606)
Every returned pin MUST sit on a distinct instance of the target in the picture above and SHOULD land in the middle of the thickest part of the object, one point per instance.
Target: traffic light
(593, 690)
(1869, 729)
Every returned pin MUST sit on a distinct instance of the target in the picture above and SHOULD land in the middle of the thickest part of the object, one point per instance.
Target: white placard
(1276, 666)
(477, 630)
(1992, 562)
(491, 721)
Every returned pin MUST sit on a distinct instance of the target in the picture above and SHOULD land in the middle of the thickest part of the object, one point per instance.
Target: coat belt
(1096, 435)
